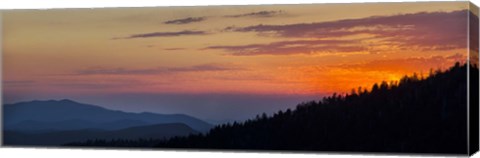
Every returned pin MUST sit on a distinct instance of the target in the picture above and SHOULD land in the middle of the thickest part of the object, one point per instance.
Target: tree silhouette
(416, 115)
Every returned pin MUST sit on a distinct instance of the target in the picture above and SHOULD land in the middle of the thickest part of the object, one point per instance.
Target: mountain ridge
(50, 112)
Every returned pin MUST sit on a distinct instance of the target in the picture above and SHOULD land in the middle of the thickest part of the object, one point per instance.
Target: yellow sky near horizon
(265, 49)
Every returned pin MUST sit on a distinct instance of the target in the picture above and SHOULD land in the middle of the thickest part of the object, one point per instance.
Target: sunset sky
(223, 62)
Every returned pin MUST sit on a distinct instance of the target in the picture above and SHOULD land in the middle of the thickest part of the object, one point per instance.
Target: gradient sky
(223, 63)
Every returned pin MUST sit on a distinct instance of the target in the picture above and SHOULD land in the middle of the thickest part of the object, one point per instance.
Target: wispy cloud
(165, 34)
(413, 64)
(158, 70)
(185, 20)
(265, 13)
(18, 83)
(432, 30)
(293, 47)
(174, 49)
(103, 83)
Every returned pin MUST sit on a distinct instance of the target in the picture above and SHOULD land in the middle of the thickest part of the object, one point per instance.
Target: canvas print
(359, 77)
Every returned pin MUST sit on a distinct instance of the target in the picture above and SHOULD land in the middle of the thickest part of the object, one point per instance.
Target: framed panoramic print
(396, 78)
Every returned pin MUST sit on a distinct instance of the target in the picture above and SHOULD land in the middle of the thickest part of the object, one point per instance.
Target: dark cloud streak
(428, 31)
(185, 20)
(257, 14)
(165, 34)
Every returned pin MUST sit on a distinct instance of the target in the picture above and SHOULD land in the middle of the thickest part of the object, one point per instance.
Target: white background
(77, 153)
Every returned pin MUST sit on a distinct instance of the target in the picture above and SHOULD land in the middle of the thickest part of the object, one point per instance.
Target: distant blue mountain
(60, 115)
(73, 124)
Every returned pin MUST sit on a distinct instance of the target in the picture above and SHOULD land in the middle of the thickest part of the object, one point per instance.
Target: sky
(221, 63)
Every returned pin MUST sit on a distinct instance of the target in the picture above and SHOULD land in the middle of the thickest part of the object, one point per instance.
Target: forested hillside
(417, 114)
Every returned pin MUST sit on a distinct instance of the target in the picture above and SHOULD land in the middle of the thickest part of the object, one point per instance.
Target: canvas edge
(237, 5)
(1, 80)
(472, 101)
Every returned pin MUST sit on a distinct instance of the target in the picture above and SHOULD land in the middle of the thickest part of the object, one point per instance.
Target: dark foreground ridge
(415, 115)
(56, 138)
